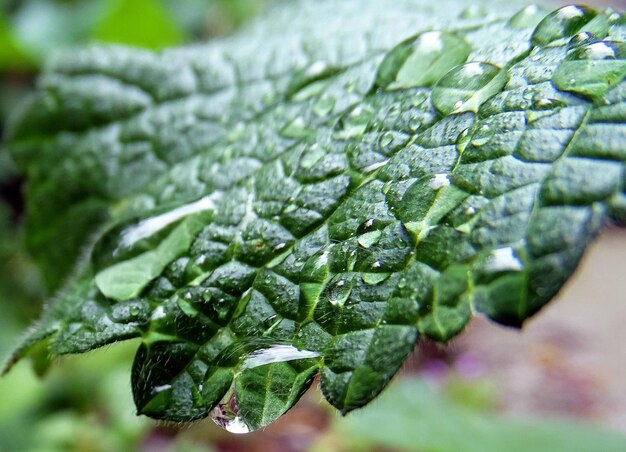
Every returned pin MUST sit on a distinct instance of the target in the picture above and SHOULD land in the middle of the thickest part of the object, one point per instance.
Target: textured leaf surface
(315, 193)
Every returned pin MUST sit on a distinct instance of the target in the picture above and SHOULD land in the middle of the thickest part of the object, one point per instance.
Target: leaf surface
(310, 196)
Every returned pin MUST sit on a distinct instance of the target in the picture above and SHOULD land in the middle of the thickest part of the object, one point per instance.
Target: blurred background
(559, 385)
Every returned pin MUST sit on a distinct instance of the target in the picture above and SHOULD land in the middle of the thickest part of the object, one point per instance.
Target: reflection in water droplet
(158, 389)
(305, 83)
(355, 123)
(312, 155)
(150, 226)
(467, 87)
(374, 166)
(324, 106)
(338, 291)
(422, 60)
(226, 414)
(374, 278)
(528, 17)
(592, 69)
(562, 23)
(581, 38)
(503, 259)
(130, 255)
(297, 128)
(369, 239)
(276, 354)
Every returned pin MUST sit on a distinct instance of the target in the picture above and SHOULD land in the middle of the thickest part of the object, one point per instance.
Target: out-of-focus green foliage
(32, 29)
(414, 416)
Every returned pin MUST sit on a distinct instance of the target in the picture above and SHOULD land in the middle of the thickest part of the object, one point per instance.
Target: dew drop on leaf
(276, 354)
(296, 128)
(324, 106)
(132, 254)
(562, 23)
(369, 239)
(581, 38)
(528, 17)
(592, 69)
(422, 60)
(305, 83)
(354, 124)
(338, 291)
(467, 87)
(374, 278)
(502, 260)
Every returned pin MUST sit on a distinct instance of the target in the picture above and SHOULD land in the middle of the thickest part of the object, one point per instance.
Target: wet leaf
(308, 196)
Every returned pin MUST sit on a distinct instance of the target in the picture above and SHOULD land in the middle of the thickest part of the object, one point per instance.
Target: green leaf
(12, 56)
(310, 196)
(141, 23)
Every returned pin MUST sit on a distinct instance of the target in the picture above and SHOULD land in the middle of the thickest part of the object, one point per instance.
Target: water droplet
(369, 239)
(562, 23)
(355, 123)
(158, 313)
(133, 253)
(463, 140)
(374, 278)
(467, 87)
(338, 290)
(276, 354)
(226, 414)
(582, 38)
(366, 226)
(374, 166)
(503, 259)
(473, 12)
(439, 181)
(422, 60)
(158, 389)
(324, 106)
(386, 139)
(297, 128)
(528, 17)
(592, 69)
(311, 156)
(305, 82)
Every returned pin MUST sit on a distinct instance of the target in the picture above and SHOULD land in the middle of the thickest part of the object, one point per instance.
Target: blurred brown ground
(569, 360)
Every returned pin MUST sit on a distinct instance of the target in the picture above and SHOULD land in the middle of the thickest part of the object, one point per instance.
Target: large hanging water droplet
(226, 414)
(132, 254)
(592, 69)
(422, 60)
(467, 87)
(306, 82)
(562, 23)
(528, 17)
